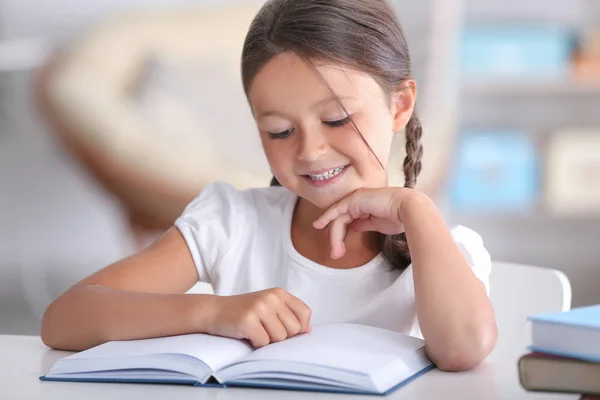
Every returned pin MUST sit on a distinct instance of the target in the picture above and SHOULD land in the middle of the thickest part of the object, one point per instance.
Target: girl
(329, 84)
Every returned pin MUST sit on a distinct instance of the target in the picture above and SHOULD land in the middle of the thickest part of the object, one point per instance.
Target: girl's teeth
(326, 175)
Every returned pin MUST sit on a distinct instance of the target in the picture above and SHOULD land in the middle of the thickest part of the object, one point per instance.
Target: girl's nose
(312, 145)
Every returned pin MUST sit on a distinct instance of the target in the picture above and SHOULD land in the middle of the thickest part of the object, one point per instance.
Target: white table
(24, 358)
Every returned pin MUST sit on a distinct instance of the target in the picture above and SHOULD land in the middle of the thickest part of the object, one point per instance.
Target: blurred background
(114, 114)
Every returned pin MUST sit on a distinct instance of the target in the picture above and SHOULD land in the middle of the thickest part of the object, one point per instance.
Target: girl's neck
(361, 247)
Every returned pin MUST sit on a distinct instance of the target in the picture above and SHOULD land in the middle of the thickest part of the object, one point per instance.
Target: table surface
(25, 358)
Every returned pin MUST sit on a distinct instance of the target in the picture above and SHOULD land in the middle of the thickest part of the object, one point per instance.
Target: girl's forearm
(454, 312)
(88, 315)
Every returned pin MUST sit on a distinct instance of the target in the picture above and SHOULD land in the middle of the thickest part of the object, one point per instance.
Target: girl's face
(313, 149)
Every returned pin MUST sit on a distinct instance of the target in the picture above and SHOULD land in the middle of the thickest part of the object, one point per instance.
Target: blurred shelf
(540, 218)
(523, 87)
(556, 241)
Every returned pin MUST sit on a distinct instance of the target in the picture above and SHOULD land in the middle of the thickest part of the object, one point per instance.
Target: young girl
(329, 84)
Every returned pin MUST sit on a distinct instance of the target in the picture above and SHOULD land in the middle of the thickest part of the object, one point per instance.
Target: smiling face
(313, 148)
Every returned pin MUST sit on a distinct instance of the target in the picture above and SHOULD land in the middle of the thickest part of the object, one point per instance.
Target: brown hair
(359, 34)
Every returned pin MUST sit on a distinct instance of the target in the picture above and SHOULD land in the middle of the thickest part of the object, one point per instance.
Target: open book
(335, 357)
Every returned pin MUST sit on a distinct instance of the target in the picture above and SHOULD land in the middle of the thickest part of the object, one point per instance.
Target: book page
(214, 351)
(337, 352)
(345, 342)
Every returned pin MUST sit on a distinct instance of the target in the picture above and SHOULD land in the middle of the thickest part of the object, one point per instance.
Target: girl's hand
(364, 210)
(260, 317)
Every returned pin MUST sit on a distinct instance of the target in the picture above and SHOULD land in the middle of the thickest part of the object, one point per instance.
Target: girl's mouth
(327, 177)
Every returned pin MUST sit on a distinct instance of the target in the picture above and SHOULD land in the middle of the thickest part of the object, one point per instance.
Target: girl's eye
(339, 122)
(281, 135)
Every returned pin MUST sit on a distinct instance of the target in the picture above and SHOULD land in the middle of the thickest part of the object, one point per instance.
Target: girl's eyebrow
(269, 114)
(330, 99)
(318, 104)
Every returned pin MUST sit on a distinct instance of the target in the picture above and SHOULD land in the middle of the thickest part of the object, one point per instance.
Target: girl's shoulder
(473, 248)
(471, 244)
(222, 199)
(223, 219)
(256, 196)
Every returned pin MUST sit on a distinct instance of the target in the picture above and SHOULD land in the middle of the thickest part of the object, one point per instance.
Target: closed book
(574, 333)
(549, 373)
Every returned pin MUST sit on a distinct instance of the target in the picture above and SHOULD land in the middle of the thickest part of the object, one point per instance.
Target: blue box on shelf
(494, 171)
(515, 52)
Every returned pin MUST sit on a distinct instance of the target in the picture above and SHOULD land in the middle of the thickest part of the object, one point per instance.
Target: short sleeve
(471, 246)
(209, 225)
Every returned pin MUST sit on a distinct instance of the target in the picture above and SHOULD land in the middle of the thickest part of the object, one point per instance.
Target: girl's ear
(403, 103)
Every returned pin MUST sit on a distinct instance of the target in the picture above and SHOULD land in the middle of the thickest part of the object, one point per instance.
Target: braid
(395, 247)
(414, 151)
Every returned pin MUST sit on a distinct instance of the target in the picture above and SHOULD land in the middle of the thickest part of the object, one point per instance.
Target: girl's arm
(454, 312)
(143, 296)
(137, 297)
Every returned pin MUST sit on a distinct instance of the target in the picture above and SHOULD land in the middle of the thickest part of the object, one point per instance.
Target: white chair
(518, 291)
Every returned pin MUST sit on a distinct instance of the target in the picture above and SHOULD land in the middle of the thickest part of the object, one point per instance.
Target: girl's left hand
(364, 210)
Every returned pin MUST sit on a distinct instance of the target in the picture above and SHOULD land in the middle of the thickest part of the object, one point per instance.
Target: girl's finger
(289, 320)
(331, 214)
(338, 234)
(362, 225)
(302, 312)
(258, 335)
(274, 327)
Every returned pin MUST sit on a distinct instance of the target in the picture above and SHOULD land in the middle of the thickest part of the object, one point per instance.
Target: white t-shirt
(240, 242)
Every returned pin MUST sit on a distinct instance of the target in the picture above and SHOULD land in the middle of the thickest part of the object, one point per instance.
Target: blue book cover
(586, 317)
(574, 333)
(290, 385)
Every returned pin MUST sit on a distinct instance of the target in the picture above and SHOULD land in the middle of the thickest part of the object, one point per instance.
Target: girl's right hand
(261, 317)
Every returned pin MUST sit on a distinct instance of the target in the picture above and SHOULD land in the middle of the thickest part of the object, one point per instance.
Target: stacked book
(565, 353)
